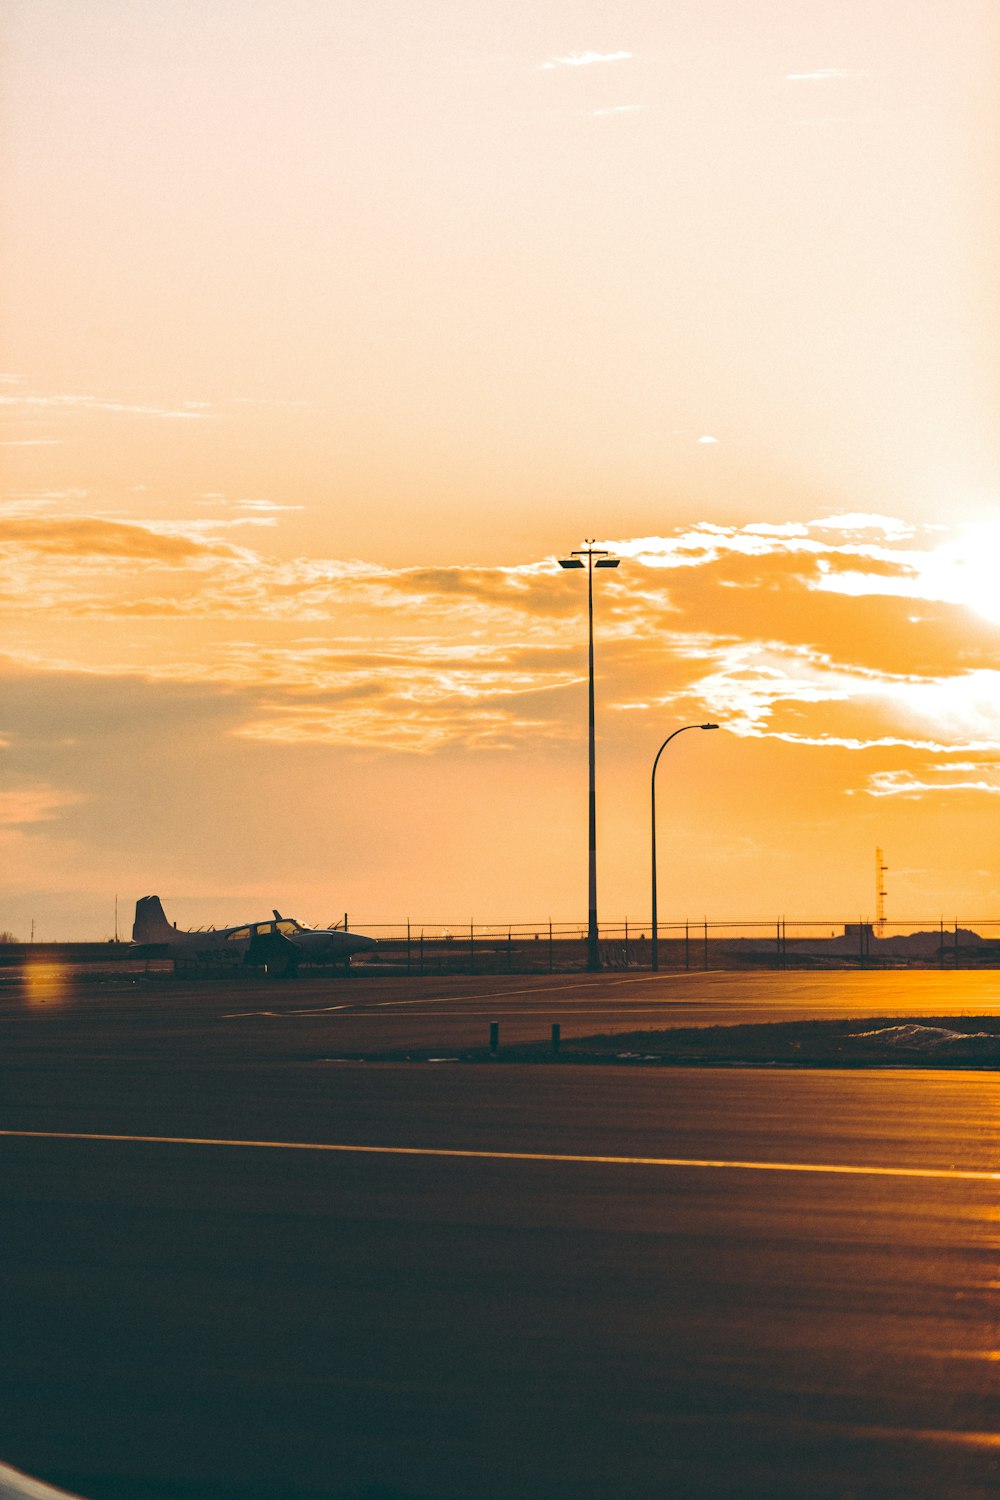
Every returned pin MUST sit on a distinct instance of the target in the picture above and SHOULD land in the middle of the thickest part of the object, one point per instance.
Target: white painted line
(363, 1008)
(320, 1010)
(597, 1013)
(546, 989)
(956, 1173)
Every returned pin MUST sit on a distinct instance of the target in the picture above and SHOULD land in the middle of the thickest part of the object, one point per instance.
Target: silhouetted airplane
(279, 945)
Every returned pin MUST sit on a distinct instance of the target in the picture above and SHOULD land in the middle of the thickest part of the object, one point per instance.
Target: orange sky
(328, 327)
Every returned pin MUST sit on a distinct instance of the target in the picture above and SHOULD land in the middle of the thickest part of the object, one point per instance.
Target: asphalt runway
(271, 1275)
(50, 1012)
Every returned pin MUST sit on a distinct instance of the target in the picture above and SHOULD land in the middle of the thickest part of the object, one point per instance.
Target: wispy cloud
(30, 502)
(615, 109)
(585, 59)
(273, 401)
(862, 522)
(265, 506)
(800, 695)
(87, 537)
(192, 411)
(34, 804)
(932, 782)
(849, 632)
(205, 527)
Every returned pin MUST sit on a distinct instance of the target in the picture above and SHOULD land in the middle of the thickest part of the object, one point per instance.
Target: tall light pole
(652, 809)
(597, 557)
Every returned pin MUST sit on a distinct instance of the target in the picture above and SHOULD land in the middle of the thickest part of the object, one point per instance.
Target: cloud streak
(585, 59)
(192, 411)
(86, 537)
(35, 804)
(847, 632)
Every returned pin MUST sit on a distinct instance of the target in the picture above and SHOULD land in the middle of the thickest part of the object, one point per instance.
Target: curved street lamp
(597, 557)
(652, 808)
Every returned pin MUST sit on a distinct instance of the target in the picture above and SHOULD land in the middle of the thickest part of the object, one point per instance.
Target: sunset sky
(328, 325)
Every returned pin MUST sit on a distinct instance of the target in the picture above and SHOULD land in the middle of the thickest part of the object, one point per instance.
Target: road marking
(319, 1010)
(956, 1173)
(366, 1008)
(547, 989)
(598, 1013)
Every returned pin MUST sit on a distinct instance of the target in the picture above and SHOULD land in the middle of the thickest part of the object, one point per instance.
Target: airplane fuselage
(278, 945)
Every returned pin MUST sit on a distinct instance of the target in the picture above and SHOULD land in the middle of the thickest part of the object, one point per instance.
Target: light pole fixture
(597, 557)
(652, 809)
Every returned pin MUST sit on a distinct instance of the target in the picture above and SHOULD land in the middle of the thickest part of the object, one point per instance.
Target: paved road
(569, 1283)
(50, 1013)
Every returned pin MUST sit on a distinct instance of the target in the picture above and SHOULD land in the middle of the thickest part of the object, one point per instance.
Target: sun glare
(46, 983)
(965, 571)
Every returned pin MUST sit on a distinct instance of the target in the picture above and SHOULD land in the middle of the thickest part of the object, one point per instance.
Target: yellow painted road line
(948, 1173)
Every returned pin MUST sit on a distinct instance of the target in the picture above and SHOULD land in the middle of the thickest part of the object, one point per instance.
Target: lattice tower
(881, 869)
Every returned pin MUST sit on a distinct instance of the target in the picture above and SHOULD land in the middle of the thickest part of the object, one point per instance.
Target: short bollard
(494, 1037)
(556, 1033)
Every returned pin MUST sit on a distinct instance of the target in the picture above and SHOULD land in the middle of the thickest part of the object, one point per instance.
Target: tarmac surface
(229, 1268)
(58, 1010)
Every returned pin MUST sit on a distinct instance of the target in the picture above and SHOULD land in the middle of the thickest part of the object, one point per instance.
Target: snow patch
(914, 1038)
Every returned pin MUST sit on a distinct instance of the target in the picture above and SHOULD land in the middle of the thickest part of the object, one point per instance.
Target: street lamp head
(607, 562)
(570, 562)
(708, 726)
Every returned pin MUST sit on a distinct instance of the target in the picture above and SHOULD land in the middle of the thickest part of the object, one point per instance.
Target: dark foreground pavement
(202, 1320)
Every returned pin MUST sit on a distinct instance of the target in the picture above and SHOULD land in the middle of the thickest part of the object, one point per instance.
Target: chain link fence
(551, 947)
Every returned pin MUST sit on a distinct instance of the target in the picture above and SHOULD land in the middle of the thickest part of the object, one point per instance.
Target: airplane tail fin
(150, 925)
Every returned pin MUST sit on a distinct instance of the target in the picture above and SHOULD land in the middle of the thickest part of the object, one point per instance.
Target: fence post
(556, 1034)
(510, 954)
(705, 965)
(472, 947)
(551, 955)
(687, 944)
(421, 950)
(407, 945)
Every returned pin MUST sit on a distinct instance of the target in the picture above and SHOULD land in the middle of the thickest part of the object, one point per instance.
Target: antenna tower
(881, 870)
